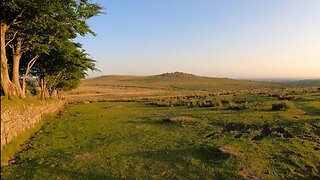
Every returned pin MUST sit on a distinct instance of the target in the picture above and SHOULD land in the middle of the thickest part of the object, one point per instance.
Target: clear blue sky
(222, 38)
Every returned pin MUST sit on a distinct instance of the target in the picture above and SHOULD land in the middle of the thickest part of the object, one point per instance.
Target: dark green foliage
(46, 30)
(64, 67)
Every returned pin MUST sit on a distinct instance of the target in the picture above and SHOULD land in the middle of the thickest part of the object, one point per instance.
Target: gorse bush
(280, 106)
(217, 103)
(234, 106)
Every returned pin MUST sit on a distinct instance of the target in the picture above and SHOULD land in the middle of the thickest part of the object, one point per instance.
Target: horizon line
(211, 76)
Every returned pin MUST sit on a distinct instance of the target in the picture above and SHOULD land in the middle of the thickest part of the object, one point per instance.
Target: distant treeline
(37, 45)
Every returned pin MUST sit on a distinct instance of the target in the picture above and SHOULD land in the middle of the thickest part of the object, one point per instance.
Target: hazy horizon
(254, 79)
(223, 38)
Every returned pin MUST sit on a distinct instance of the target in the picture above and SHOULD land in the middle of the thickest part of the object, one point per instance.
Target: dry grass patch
(231, 150)
(83, 156)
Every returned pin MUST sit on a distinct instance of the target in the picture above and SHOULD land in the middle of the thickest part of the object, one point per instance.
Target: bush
(235, 106)
(280, 106)
(161, 103)
(200, 103)
(176, 103)
(225, 101)
(288, 98)
(207, 104)
(217, 103)
(191, 104)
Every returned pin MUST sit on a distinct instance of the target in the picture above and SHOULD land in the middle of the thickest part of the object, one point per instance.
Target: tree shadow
(28, 170)
(208, 155)
(153, 122)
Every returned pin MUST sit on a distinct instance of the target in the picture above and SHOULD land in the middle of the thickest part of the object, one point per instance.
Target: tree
(34, 27)
(62, 68)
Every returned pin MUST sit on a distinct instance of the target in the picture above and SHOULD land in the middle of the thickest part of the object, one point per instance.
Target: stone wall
(17, 117)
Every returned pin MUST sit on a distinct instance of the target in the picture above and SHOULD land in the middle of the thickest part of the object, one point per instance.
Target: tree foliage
(40, 33)
(62, 68)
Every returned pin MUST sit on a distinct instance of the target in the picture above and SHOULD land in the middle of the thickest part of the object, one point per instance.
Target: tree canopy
(37, 39)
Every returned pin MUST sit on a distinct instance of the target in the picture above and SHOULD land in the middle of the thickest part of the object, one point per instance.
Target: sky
(251, 39)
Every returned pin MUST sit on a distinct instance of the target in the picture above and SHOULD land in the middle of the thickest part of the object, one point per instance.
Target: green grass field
(137, 140)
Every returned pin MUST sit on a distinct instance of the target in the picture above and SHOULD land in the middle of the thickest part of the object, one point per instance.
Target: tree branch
(14, 21)
(56, 78)
(12, 47)
(30, 64)
(14, 36)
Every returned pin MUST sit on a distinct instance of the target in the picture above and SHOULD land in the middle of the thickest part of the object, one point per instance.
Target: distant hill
(307, 82)
(174, 81)
(180, 75)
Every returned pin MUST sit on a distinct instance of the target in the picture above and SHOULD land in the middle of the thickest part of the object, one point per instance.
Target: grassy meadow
(262, 131)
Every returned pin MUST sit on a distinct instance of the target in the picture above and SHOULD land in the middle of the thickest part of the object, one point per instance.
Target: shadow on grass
(208, 155)
(314, 111)
(307, 129)
(193, 160)
(155, 122)
(30, 170)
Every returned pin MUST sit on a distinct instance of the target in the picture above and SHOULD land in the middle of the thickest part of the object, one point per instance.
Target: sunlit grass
(132, 140)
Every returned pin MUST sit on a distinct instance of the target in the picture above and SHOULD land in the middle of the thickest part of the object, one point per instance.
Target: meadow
(262, 132)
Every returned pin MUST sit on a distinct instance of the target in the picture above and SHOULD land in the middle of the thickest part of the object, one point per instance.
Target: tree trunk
(8, 87)
(15, 69)
(43, 88)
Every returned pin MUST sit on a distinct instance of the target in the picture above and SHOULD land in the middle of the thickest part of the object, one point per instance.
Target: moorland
(177, 126)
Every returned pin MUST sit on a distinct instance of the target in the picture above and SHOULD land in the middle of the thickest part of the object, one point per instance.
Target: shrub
(288, 98)
(280, 106)
(175, 103)
(217, 103)
(235, 106)
(225, 101)
(192, 104)
(207, 104)
(161, 103)
(244, 105)
(199, 103)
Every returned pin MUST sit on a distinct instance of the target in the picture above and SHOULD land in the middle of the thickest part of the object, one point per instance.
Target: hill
(163, 84)
(175, 81)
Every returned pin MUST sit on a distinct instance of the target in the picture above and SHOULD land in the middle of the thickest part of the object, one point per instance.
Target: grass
(19, 106)
(110, 87)
(174, 126)
(9, 150)
(135, 140)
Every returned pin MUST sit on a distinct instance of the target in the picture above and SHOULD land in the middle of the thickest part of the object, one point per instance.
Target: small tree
(62, 68)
